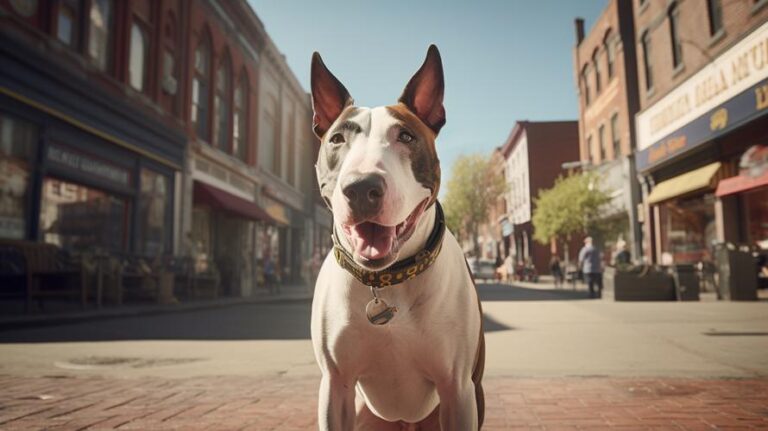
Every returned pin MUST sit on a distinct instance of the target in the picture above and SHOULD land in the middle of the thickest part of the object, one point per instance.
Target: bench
(48, 272)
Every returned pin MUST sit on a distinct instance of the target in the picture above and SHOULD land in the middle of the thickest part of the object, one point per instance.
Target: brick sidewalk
(288, 404)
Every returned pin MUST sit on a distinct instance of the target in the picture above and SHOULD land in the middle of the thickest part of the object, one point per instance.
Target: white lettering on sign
(740, 67)
(88, 165)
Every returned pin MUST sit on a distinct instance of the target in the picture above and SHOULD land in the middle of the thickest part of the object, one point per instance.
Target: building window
(68, 23)
(645, 40)
(590, 157)
(200, 88)
(221, 105)
(79, 218)
(715, 9)
(615, 136)
(596, 66)
(268, 136)
(153, 238)
(99, 33)
(601, 142)
(169, 82)
(18, 147)
(239, 116)
(585, 81)
(137, 67)
(610, 51)
(674, 29)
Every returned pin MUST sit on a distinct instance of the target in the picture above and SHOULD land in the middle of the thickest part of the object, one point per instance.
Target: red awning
(225, 201)
(740, 183)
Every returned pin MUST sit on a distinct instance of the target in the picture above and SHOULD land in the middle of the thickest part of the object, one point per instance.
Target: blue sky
(504, 60)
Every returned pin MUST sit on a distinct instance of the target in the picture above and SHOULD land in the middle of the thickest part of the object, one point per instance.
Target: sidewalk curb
(39, 320)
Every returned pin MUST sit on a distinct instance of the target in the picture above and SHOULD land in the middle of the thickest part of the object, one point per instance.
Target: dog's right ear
(329, 97)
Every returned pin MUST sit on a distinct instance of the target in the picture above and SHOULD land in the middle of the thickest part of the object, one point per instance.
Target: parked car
(483, 269)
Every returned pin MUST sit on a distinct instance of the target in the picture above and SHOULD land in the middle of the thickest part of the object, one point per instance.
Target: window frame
(139, 24)
(673, 16)
(240, 115)
(645, 41)
(615, 137)
(596, 66)
(203, 80)
(715, 17)
(222, 106)
(610, 53)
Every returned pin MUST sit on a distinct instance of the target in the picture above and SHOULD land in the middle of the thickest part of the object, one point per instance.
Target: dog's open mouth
(374, 242)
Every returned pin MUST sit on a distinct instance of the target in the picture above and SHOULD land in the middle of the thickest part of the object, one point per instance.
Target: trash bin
(686, 282)
(737, 273)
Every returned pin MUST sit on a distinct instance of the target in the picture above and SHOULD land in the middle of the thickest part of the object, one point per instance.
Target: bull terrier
(396, 320)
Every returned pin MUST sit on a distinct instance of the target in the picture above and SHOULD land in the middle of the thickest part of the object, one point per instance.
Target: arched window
(100, 33)
(596, 66)
(221, 103)
(137, 67)
(201, 87)
(673, 14)
(239, 117)
(585, 81)
(610, 52)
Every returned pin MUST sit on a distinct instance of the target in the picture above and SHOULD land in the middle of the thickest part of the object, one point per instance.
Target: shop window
(615, 136)
(240, 131)
(688, 229)
(645, 40)
(715, 11)
(596, 66)
(756, 205)
(585, 82)
(68, 23)
(221, 105)
(200, 247)
(673, 15)
(137, 68)
(154, 201)
(18, 146)
(200, 88)
(80, 218)
(99, 33)
(610, 51)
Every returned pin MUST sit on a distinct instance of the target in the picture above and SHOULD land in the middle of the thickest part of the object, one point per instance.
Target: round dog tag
(378, 312)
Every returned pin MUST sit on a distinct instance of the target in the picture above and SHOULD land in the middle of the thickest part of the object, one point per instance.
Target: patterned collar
(401, 270)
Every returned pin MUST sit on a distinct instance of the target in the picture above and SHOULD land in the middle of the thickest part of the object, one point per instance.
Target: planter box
(635, 285)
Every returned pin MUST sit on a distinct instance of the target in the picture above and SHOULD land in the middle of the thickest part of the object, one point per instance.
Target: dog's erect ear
(329, 97)
(424, 93)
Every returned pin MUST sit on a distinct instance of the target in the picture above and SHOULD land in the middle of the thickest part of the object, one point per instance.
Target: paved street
(555, 361)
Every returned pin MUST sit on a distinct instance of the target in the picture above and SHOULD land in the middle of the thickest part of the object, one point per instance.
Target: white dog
(396, 321)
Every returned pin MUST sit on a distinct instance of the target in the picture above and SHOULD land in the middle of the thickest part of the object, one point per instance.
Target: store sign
(88, 165)
(738, 69)
(742, 108)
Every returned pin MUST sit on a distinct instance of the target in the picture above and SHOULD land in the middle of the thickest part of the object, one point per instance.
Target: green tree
(574, 205)
(472, 190)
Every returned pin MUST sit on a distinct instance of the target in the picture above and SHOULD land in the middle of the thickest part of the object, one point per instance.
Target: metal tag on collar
(378, 311)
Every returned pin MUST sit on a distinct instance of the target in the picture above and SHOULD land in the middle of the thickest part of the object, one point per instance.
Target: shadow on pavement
(506, 292)
(289, 321)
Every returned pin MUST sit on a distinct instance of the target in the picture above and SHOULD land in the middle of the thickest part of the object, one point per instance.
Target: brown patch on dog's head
(329, 160)
(424, 162)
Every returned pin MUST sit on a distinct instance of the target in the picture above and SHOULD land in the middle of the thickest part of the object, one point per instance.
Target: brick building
(606, 77)
(534, 153)
(702, 130)
(155, 128)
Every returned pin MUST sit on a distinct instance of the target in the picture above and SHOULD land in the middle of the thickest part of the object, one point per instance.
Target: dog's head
(378, 169)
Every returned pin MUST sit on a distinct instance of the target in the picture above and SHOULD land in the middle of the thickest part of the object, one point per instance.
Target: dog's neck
(416, 243)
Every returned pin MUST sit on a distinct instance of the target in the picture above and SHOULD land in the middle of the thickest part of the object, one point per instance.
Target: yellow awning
(688, 182)
(277, 212)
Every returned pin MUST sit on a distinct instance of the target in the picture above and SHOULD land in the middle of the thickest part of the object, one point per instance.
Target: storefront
(80, 168)
(692, 146)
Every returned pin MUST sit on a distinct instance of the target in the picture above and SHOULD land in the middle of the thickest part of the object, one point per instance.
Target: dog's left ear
(424, 93)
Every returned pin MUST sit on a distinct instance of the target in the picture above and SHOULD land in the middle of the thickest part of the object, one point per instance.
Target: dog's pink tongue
(372, 241)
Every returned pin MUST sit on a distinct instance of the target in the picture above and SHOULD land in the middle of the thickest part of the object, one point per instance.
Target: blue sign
(742, 108)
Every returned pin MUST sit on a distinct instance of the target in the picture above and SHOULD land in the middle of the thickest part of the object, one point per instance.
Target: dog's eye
(337, 139)
(405, 137)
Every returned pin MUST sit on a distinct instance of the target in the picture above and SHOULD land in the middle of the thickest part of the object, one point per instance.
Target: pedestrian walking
(556, 270)
(592, 268)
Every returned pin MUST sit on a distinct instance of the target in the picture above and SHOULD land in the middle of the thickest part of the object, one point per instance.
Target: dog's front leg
(458, 411)
(336, 406)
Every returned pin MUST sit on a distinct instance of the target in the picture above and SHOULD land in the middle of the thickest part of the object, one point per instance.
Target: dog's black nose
(364, 193)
